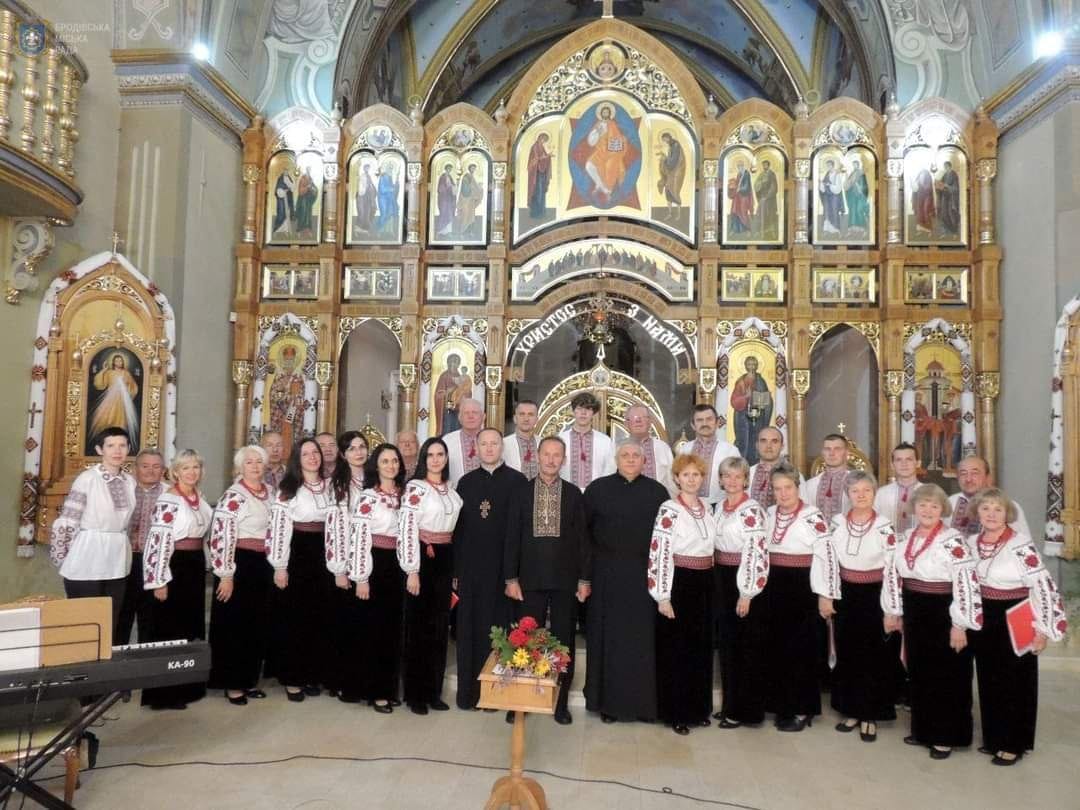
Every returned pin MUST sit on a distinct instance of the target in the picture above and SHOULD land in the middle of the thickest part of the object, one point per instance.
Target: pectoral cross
(34, 411)
(485, 508)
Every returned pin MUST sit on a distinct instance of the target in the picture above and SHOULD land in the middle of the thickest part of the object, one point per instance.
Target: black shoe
(910, 740)
(295, 697)
(333, 692)
(439, 705)
(349, 698)
(255, 694)
(794, 723)
(1004, 761)
(563, 717)
(418, 708)
(510, 717)
(844, 728)
(312, 691)
(725, 723)
(92, 746)
(680, 729)
(608, 718)
(984, 750)
(382, 708)
(489, 711)
(868, 735)
(940, 753)
(240, 700)
(717, 715)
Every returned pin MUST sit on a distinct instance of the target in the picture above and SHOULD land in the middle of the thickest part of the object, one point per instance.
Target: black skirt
(238, 628)
(303, 615)
(1008, 683)
(792, 650)
(348, 641)
(181, 616)
(684, 659)
(940, 686)
(864, 680)
(381, 614)
(742, 649)
(427, 625)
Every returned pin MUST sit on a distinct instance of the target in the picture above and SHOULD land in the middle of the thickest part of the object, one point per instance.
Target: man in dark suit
(547, 555)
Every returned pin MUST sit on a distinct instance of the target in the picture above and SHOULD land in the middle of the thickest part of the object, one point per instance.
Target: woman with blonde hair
(1010, 572)
(241, 579)
(940, 603)
(174, 568)
(681, 581)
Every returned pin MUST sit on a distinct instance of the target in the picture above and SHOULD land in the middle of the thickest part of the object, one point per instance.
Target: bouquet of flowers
(528, 650)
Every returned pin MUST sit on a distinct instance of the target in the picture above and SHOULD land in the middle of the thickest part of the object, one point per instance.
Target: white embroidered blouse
(174, 520)
(427, 508)
(239, 514)
(89, 538)
(869, 547)
(742, 531)
(806, 534)
(946, 559)
(1015, 564)
(376, 513)
(678, 532)
(338, 521)
(309, 505)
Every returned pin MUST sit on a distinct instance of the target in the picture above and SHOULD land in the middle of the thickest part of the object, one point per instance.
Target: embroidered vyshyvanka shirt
(948, 559)
(428, 515)
(310, 505)
(145, 498)
(1014, 567)
(680, 539)
(239, 516)
(89, 539)
(176, 524)
(827, 491)
(741, 541)
(806, 542)
(374, 524)
(866, 554)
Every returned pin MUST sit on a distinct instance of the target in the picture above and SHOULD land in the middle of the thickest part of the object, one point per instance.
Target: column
(31, 95)
(894, 230)
(7, 74)
(985, 170)
(800, 385)
(242, 372)
(50, 109)
(802, 201)
(987, 388)
(711, 174)
(324, 375)
(894, 387)
(407, 399)
(498, 202)
(412, 207)
(330, 202)
(706, 393)
(493, 379)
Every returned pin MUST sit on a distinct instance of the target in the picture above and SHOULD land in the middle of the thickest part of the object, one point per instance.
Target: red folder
(1021, 621)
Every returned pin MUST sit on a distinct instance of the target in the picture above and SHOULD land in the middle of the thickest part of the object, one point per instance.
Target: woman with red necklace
(346, 655)
(380, 584)
(174, 569)
(295, 547)
(940, 603)
(740, 573)
(681, 581)
(1010, 571)
(803, 582)
(866, 677)
(241, 579)
(429, 512)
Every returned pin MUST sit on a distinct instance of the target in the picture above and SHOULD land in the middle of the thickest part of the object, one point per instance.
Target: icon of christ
(605, 158)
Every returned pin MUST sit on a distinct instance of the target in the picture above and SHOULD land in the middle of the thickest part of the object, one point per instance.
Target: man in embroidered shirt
(149, 467)
(589, 453)
(274, 446)
(490, 495)
(548, 558)
(461, 444)
(770, 446)
(708, 446)
(409, 444)
(328, 445)
(519, 448)
(894, 499)
(973, 474)
(828, 489)
(658, 456)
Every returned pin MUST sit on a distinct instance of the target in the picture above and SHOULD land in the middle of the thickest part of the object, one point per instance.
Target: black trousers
(113, 588)
(560, 609)
(137, 605)
(427, 626)
(1008, 683)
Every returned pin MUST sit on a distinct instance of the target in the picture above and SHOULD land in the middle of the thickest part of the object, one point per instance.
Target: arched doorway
(367, 384)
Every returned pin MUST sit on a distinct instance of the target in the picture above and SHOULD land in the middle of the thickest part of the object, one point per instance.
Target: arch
(753, 330)
(348, 324)
(912, 115)
(730, 120)
(461, 113)
(846, 107)
(105, 274)
(367, 377)
(283, 325)
(300, 129)
(387, 116)
(844, 389)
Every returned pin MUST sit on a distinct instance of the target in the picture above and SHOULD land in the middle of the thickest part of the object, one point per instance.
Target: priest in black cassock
(490, 494)
(547, 558)
(620, 510)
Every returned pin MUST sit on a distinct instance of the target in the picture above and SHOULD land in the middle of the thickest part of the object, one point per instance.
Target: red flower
(979, 619)
(365, 508)
(891, 540)
(761, 582)
(537, 655)
(518, 637)
(958, 552)
(665, 522)
(1031, 561)
(654, 545)
(528, 624)
(233, 506)
(1062, 625)
(652, 582)
(414, 499)
(820, 527)
(167, 517)
(750, 521)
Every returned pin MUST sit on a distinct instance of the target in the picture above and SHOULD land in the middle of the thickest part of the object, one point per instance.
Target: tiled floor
(587, 765)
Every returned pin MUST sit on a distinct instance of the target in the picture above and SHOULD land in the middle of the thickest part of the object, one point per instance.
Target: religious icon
(456, 283)
(376, 198)
(937, 407)
(760, 285)
(294, 199)
(946, 286)
(826, 286)
(452, 372)
(114, 395)
(305, 282)
(539, 179)
(605, 158)
(918, 286)
(845, 182)
(936, 190)
(843, 285)
(458, 210)
(752, 405)
(753, 196)
(606, 61)
(285, 400)
(277, 282)
(671, 170)
(373, 283)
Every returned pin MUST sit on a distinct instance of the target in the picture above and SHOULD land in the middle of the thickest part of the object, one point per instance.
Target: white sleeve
(661, 557)
(753, 570)
(158, 549)
(824, 568)
(1046, 601)
(408, 544)
(336, 538)
(360, 558)
(892, 599)
(279, 535)
(223, 534)
(966, 608)
(67, 524)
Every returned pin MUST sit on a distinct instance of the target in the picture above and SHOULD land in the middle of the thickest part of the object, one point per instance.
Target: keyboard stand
(20, 782)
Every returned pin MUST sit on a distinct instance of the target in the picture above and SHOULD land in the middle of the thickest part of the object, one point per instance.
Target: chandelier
(599, 320)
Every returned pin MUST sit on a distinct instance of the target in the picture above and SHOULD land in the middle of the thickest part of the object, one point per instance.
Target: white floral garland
(1055, 493)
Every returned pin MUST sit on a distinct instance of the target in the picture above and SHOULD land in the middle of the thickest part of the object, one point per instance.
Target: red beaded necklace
(193, 501)
(911, 555)
(858, 531)
(697, 513)
(316, 490)
(784, 521)
(989, 549)
(261, 494)
(730, 509)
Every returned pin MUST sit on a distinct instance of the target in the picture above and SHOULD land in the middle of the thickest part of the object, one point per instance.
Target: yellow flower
(521, 657)
(543, 666)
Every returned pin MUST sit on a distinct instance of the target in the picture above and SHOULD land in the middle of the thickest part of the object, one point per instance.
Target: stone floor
(448, 760)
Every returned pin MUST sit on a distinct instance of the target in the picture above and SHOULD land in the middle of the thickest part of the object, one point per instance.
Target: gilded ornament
(894, 383)
(711, 169)
(800, 381)
(493, 376)
(324, 372)
(242, 372)
(498, 170)
(252, 173)
(707, 379)
(407, 375)
(988, 384)
(802, 169)
(986, 169)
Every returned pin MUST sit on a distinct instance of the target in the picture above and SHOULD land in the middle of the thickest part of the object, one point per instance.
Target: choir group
(336, 572)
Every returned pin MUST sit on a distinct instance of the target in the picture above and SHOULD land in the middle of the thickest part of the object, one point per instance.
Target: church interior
(312, 216)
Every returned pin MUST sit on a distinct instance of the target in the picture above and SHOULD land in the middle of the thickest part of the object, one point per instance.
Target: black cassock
(620, 676)
(479, 537)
